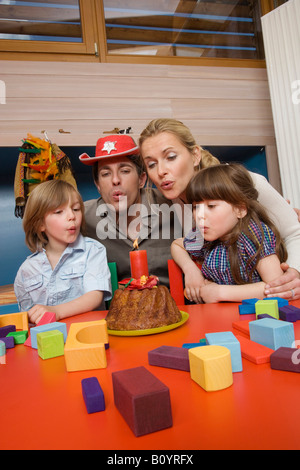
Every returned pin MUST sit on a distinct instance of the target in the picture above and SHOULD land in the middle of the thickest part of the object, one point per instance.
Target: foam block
(248, 306)
(2, 352)
(48, 317)
(254, 352)
(287, 359)
(272, 333)
(4, 330)
(210, 367)
(20, 320)
(227, 339)
(50, 344)
(47, 327)
(170, 356)
(281, 302)
(193, 345)
(269, 306)
(289, 313)
(85, 346)
(9, 342)
(142, 399)
(242, 326)
(18, 336)
(93, 395)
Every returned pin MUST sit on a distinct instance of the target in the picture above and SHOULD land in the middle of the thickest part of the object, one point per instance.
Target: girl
(67, 273)
(241, 248)
(172, 157)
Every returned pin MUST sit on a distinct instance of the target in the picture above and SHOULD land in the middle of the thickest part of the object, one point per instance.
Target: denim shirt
(81, 268)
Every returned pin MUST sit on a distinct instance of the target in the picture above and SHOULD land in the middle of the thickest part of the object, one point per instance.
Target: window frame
(94, 46)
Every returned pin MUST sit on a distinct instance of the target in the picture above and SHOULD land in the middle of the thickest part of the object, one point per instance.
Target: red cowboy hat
(117, 145)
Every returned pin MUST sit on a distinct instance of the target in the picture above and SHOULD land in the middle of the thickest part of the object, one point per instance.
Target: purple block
(4, 330)
(289, 313)
(287, 359)
(171, 357)
(93, 395)
(142, 399)
(264, 315)
(9, 342)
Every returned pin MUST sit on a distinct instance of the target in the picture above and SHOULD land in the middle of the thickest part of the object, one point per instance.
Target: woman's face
(169, 164)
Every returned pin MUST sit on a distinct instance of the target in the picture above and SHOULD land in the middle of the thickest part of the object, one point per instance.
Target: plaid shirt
(215, 257)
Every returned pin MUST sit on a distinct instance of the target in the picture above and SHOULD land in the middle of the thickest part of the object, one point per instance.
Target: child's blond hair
(45, 198)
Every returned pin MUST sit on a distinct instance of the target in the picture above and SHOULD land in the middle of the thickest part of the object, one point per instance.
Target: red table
(41, 404)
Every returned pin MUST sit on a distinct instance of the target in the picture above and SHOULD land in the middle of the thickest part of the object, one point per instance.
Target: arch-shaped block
(210, 367)
(85, 346)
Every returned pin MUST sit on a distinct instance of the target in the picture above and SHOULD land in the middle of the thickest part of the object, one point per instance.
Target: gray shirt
(156, 234)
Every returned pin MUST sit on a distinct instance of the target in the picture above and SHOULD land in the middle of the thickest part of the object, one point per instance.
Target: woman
(172, 156)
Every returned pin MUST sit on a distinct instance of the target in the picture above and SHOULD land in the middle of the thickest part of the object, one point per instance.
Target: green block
(269, 306)
(19, 336)
(50, 344)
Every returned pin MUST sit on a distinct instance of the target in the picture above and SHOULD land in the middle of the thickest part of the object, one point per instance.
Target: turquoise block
(272, 333)
(228, 340)
(49, 327)
(2, 348)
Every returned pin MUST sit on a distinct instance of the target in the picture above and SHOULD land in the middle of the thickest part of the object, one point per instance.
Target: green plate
(150, 331)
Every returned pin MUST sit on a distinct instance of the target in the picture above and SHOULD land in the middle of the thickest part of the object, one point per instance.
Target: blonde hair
(184, 135)
(45, 198)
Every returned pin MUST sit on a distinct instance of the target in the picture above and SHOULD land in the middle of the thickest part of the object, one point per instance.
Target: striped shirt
(215, 257)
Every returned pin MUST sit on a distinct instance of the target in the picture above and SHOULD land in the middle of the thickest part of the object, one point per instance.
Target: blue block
(228, 340)
(192, 345)
(93, 395)
(246, 309)
(272, 333)
(250, 301)
(49, 327)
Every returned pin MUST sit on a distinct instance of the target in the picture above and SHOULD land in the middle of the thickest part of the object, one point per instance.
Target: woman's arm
(286, 220)
(85, 303)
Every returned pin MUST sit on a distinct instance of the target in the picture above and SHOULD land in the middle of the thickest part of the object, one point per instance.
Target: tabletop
(42, 407)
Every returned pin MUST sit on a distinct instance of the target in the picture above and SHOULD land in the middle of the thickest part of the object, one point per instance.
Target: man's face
(119, 183)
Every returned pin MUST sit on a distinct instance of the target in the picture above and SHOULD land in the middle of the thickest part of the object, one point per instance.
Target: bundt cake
(142, 309)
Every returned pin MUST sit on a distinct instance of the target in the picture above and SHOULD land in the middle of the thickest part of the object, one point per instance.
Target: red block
(287, 359)
(242, 326)
(171, 357)
(142, 399)
(254, 352)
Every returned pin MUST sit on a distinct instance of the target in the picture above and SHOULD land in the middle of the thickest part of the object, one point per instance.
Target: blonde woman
(172, 156)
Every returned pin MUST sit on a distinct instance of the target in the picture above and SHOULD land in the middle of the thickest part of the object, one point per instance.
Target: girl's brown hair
(232, 183)
(45, 198)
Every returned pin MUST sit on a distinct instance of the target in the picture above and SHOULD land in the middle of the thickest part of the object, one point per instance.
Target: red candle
(138, 263)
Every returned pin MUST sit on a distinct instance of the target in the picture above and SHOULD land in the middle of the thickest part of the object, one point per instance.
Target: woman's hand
(193, 281)
(286, 286)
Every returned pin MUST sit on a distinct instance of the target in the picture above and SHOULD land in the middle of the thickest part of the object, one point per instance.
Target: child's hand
(193, 282)
(210, 292)
(36, 313)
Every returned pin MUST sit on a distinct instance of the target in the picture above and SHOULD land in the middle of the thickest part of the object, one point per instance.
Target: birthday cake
(140, 309)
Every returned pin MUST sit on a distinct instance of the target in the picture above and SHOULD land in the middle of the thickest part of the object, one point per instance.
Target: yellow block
(210, 367)
(85, 346)
(20, 320)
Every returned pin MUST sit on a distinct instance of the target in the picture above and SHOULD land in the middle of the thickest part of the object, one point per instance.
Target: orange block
(254, 352)
(242, 326)
(85, 346)
(20, 320)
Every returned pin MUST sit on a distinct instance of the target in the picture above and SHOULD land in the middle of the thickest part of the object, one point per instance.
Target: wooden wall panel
(221, 105)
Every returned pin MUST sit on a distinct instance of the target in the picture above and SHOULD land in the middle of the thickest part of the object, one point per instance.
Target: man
(127, 211)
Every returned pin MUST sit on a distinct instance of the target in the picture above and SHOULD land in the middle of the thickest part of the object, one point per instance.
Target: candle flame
(135, 244)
